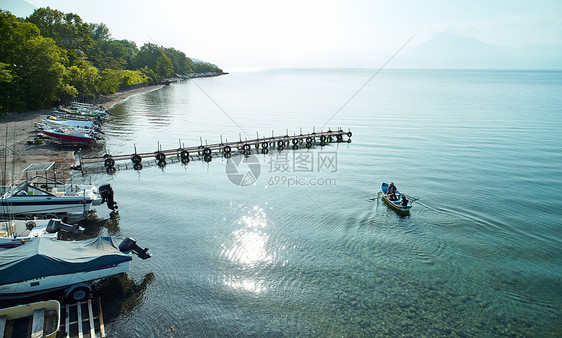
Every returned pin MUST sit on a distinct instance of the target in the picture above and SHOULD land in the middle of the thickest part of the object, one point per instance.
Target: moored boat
(47, 265)
(53, 198)
(40, 319)
(397, 203)
(19, 232)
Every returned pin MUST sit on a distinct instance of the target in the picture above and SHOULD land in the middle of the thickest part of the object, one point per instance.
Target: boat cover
(44, 257)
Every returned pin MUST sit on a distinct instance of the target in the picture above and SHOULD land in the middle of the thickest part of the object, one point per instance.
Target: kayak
(397, 204)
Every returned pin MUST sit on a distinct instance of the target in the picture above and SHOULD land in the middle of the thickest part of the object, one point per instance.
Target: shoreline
(108, 101)
(16, 129)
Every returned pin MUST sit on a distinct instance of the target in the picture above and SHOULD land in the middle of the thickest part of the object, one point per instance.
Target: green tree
(131, 49)
(108, 54)
(85, 78)
(35, 63)
(40, 72)
(52, 56)
(66, 29)
(99, 31)
(182, 64)
(164, 66)
(152, 57)
(204, 67)
(5, 73)
(147, 56)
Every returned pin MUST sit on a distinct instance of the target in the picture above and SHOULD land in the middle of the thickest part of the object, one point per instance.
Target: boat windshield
(26, 189)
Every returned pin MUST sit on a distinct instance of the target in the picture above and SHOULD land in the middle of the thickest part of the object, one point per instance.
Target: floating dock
(208, 151)
(83, 319)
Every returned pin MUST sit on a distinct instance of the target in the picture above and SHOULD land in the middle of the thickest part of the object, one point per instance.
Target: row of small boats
(46, 265)
(78, 124)
(41, 253)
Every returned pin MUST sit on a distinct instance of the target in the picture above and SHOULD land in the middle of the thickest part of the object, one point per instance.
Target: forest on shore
(52, 57)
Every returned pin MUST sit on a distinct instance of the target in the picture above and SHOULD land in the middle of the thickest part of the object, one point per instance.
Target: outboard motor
(130, 244)
(106, 193)
(56, 225)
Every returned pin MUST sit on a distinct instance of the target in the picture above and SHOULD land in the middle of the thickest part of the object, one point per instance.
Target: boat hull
(49, 283)
(71, 138)
(27, 205)
(56, 198)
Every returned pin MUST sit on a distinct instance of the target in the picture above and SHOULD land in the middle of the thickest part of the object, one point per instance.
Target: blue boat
(395, 204)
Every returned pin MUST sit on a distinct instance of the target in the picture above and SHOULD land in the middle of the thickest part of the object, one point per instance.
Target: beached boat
(18, 232)
(53, 122)
(81, 111)
(89, 107)
(53, 198)
(59, 114)
(395, 204)
(68, 135)
(46, 265)
(40, 319)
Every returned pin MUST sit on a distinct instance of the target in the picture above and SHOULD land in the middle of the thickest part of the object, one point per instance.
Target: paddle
(375, 197)
(379, 195)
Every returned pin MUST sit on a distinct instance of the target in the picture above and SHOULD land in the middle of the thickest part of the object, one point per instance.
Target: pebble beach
(19, 128)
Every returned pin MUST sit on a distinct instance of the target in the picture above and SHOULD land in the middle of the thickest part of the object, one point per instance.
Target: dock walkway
(83, 319)
(208, 151)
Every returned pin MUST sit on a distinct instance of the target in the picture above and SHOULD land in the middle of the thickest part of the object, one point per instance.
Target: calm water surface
(306, 251)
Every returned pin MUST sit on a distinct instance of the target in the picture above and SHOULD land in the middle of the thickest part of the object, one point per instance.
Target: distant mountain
(447, 50)
(19, 8)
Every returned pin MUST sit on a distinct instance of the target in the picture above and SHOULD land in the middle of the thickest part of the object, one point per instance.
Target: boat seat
(38, 323)
(2, 325)
(57, 192)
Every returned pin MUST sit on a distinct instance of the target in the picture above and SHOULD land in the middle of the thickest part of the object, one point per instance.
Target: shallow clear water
(305, 250)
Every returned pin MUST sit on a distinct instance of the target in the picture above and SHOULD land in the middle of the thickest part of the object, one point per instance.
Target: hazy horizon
(333, 34)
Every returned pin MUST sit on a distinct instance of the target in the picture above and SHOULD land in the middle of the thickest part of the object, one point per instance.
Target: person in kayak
(391, 192)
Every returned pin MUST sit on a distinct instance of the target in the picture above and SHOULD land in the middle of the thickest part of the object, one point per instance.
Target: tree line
(52, 57)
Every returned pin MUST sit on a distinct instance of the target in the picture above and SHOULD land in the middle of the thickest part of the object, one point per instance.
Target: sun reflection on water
(248, 245)
(245, 285)
(247, 248)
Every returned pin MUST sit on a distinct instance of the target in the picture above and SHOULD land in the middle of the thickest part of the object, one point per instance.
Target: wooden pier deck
(208, 151)
(83, 319)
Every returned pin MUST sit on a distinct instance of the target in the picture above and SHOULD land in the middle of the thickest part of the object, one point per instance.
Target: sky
(305, 33)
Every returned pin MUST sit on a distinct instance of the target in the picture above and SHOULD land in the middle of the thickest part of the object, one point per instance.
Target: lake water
(306, 250)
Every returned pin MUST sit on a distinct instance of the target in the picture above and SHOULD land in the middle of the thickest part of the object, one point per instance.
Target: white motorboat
(80, 126)
(53, 198)
(44, 196)
(45, 264)
(40, 319)
(18, 232)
